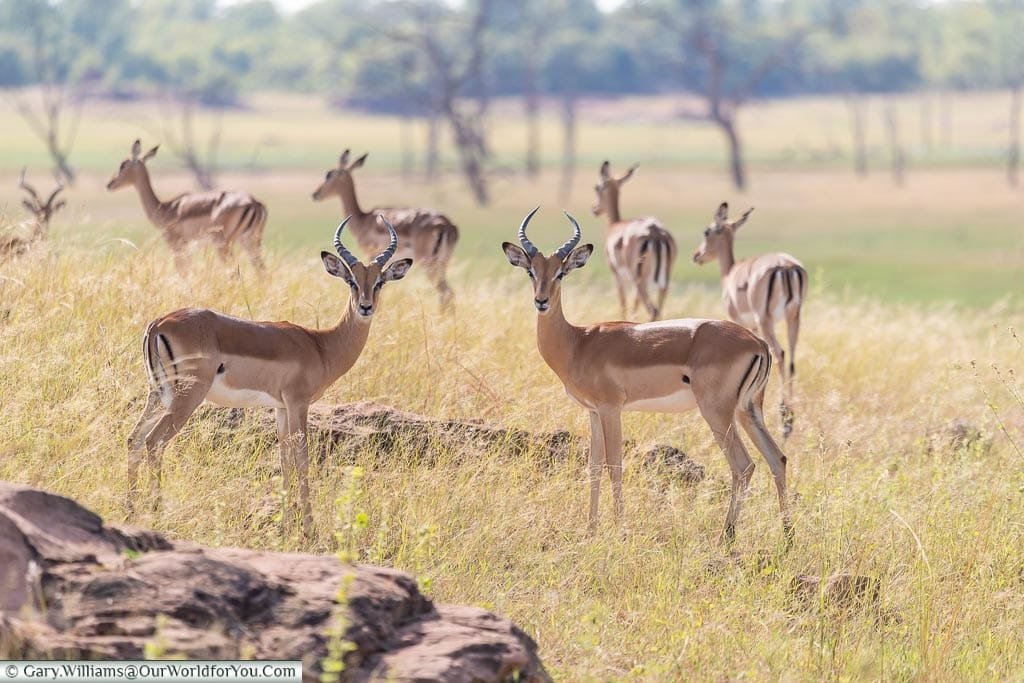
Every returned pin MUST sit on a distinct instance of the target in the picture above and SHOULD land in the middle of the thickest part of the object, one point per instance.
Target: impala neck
(349, 202)
(144, 186)
(613, 211)
(557, 338)
(344, 342)
(727, 257)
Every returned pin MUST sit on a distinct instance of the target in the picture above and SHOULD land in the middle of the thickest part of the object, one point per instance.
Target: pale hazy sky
(292, 5)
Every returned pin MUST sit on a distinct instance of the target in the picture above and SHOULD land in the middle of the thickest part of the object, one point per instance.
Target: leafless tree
(456, 69)
(722, 81)
(178, 121)
(53, 108)
(897, 157)
(856, 104)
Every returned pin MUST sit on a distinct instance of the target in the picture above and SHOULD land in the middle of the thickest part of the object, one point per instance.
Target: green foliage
(213, 51)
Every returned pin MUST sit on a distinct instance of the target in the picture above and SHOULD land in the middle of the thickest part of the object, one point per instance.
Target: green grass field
(909, 328)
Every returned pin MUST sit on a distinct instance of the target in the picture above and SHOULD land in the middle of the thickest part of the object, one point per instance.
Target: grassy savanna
(885, 368)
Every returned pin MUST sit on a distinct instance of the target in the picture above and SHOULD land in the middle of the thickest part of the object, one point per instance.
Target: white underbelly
(677, 402)
(226, 396)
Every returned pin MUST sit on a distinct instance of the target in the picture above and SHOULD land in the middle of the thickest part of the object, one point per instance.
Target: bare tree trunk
(736, 167)
(926, 120)
(856, 105)
(568, 146)
(896, 153)
(1013, 152)
(531, 103)
(946, 118)
(433, 133)
(405, 142)
(472, 151)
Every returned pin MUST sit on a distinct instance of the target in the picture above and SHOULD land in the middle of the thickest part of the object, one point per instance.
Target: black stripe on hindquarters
(789, 285)
(771, 286)
(746, 376)
(657, 263)
(800, 281)
(170, 355)
(640, 261)
(440, 239)
(242, 218)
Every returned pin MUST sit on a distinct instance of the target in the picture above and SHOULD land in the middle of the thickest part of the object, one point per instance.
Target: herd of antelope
(719, 367)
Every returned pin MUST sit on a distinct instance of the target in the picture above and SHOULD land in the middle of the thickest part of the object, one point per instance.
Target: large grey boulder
(73, 588)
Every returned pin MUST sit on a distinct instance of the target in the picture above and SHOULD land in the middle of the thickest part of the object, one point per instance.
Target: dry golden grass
(882, 492)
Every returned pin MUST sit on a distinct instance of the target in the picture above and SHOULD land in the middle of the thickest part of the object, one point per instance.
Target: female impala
(222, 217)
(640, 251)
(194, 355)
(672, 366)
(425, 235)
(758, 292)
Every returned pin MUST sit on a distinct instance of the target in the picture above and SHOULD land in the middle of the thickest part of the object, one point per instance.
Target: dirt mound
(337, 433)
(71, 587)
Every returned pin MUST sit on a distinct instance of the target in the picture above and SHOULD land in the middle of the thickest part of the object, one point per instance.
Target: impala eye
(380, 283)
(560, 276)
(707, 232)
(531, 274)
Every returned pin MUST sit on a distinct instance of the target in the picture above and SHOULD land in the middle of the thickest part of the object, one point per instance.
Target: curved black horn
(386, 255)
(528, 247)
(564, 250)
(345, 254)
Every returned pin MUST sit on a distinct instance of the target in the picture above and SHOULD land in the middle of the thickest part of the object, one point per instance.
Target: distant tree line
(446, 61)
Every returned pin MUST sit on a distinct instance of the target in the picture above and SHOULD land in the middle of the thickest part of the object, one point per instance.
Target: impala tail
(755, 380)
(447, 238)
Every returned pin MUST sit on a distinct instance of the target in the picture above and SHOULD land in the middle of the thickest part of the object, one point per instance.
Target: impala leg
(436, 273)
(766, 329)
(662, 293)
(297, 419)
(643, 296)
(137, 442)
(622, 294)
(183, 404)
(597, 458)
(793, 330)
(611, 424)
(752, 419)
(742, 467)
(284, 445)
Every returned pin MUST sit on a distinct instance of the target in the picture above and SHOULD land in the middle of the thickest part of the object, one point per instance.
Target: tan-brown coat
(758, 292)
(223, 218)
(670, 366)
(423, 234)
(196, 355)
(639, 251)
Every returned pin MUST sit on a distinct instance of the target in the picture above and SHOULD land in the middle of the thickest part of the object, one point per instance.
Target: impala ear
(136, 149)
(358, 162)
(629, 173)
(577, 258)
(606, 171)
(722, 214)
(397, 270)
(28, 205)
(343, 159)
(150, 154)
(335, 266)
(742, 219)
(58, 206)
(515, 255)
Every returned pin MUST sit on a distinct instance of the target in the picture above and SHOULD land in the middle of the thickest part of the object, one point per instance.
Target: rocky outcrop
(339, 432)
(73, 588)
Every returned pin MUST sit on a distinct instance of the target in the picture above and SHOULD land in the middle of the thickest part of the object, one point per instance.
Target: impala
(196, 355)
(758, 292)
(42, 212)
(640, 251)
(425, 235)
(672, 366)
(225, 218)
